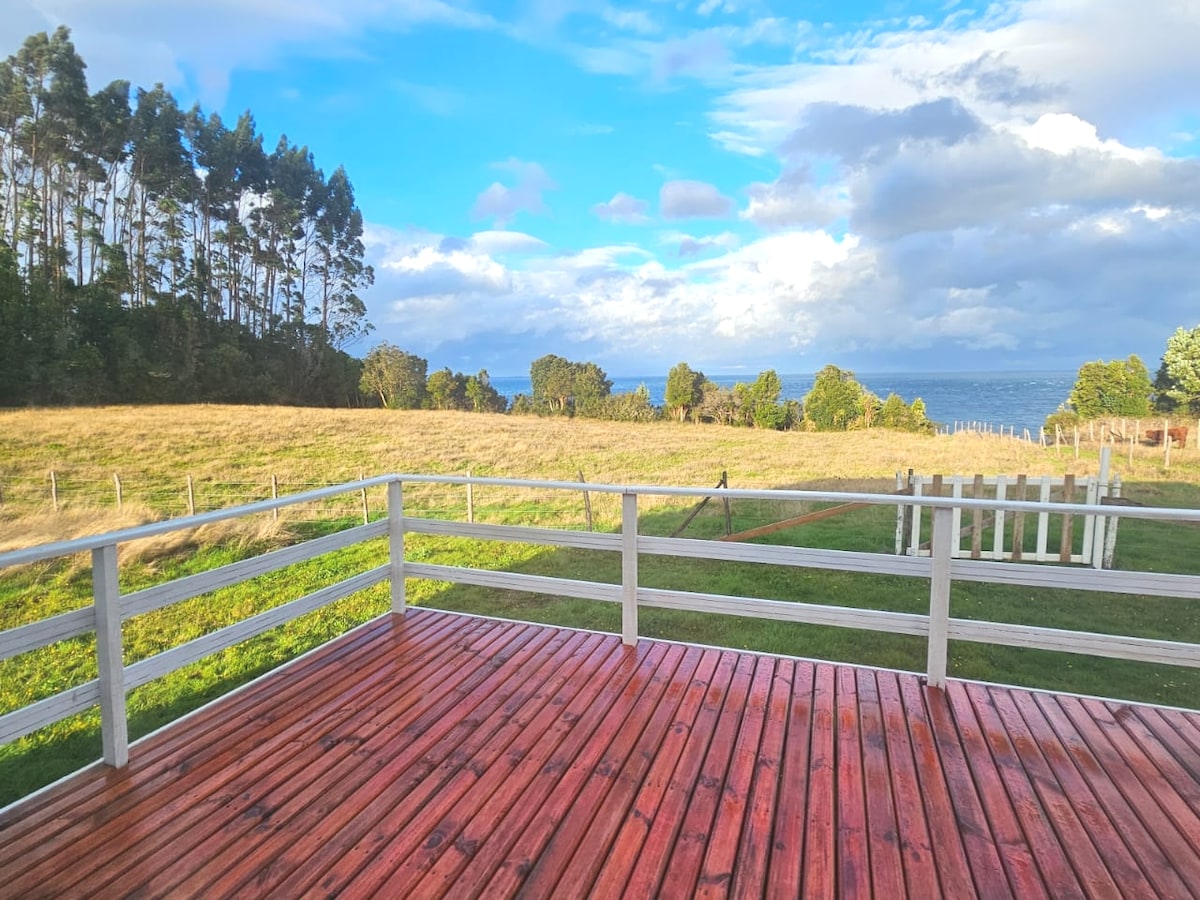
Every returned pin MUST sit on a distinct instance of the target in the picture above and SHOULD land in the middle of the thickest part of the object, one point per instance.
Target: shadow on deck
(436, 754)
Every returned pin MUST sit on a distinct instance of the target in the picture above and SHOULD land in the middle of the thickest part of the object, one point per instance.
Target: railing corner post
(629, 568)
(395, 498)
(106, 595)
(939, 595)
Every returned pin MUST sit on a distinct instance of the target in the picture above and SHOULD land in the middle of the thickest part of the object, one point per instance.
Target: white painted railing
(111, 609)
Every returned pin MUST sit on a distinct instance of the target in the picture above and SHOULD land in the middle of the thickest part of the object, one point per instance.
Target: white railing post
(939, 595)
(629, 568)
(395, 498)
(106, 595)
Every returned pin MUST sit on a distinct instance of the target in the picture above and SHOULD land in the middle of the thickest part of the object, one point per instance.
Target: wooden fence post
(725, 500)
(54, 489)
(117, 482)
(106, 593)
(470, 500)
(1066, 536)
(191, 494)
(939, 597)
(274, 494)
(629, 569)
(587, 502)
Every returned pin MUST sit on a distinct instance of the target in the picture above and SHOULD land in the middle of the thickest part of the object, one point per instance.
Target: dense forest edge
(151, 254)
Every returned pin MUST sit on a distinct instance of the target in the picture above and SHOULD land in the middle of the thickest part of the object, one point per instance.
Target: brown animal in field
(1178, 435)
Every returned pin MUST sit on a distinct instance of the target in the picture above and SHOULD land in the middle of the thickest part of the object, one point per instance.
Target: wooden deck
(440, 755)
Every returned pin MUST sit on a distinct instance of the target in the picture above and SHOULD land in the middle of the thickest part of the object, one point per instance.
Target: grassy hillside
(232, 453)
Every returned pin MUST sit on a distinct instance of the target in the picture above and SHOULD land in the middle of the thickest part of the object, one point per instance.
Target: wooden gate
(1004, 536)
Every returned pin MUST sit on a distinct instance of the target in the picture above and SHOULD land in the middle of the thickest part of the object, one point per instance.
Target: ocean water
(1006, 400)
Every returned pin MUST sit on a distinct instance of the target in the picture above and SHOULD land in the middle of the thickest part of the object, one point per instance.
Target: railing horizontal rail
(160, 664)
(185, 588)
(801, 557)
(49, 710)
(1113, 581)
(1089, 643)
(519, 534)
(44, 632)
(513, 581)
(787, 611)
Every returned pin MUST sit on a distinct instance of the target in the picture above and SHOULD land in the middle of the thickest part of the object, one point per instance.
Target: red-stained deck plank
(717, 867)
(687, 857)
(633, 837)
(646, 880)
(820, 860)
(1016, 854)
(950, 859)
(1054, 870)
(916, 849)
(853, 846)
(1099, 828)
(785, 869)
(433, 755)
(750, 876)
(887, 871)
(983, 855)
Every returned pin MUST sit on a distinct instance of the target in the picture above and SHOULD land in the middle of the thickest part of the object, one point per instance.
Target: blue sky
(741, 184)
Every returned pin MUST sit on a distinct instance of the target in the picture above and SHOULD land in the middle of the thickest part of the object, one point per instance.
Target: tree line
(1123, 387)
(397, 379)
(152, 253)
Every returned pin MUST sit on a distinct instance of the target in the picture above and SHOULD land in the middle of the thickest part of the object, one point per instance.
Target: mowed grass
(217, 445)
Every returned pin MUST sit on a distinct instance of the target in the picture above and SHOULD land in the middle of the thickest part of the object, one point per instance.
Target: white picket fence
(1002, 536)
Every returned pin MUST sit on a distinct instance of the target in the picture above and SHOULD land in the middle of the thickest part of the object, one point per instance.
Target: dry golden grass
(42, 528)
(220, 444)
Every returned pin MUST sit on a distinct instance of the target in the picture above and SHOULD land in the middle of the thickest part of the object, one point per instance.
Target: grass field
(224, 447)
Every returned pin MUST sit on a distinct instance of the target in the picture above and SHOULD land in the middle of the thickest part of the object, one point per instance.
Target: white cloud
(688, 245)
(684, 199)
(622, 208)
(492, 242)
(635, 20)
(502, 203)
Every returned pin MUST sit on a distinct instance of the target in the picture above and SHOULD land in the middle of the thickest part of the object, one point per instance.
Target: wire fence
(66, 491)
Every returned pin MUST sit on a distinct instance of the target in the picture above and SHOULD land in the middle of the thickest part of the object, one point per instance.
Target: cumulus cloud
(493, 242)
(793, 199)
(696, 246)
(622, 208)
(502, 202)
(684, 199)
(855, 134)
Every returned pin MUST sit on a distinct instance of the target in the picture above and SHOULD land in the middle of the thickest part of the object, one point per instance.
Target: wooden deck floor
(439, 755)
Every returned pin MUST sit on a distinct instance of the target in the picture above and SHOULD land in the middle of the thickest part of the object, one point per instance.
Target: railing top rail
(875, 499)
(87, 544)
